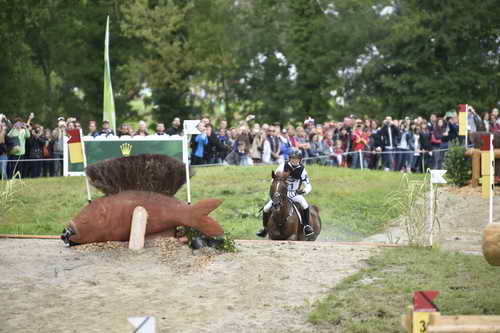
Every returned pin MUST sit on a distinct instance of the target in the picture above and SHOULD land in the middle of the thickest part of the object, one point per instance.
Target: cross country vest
(295, 173)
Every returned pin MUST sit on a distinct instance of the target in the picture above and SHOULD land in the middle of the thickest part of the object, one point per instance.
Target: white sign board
(437, 177)
(143, 324)
(190, 127)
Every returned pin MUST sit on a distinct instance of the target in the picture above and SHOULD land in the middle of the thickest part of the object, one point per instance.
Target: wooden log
(476, 169)
(450, 324)
(29, 236)
(491, 244)
(477, 328)
(138, 228)
(322, 243)
(463, 324)
(476, 164)
(437, 319)
(407, 318)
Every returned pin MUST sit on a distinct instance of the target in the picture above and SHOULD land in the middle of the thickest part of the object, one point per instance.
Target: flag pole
(492, 179)
(108, 98)
(186, 163)
(431, 209)
(87, 185)
(466, 124)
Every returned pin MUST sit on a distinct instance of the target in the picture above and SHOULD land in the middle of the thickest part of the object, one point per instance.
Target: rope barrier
(33, 160)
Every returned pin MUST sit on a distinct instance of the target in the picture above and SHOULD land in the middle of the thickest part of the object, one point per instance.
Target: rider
(297, 176)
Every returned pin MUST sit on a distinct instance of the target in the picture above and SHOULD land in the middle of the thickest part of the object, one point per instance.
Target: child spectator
(337, 155)
(240, 156)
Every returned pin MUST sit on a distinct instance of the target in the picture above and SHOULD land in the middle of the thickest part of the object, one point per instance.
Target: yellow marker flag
(75, 147)
(75, 152)
(485, 163)
(486, 186)
(462, 123)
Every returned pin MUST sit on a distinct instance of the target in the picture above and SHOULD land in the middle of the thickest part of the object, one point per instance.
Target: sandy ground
(463, 213)
(265, 287)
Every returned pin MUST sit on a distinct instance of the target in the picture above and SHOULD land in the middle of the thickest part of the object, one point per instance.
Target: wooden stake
(138, 228)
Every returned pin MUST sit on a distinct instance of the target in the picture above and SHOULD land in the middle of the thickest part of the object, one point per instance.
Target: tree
(164, 60)
(435, 55)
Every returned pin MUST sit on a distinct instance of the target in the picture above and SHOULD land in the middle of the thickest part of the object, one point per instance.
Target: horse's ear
(273, 175)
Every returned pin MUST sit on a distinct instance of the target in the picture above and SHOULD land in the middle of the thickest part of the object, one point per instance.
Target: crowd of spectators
(406, 145)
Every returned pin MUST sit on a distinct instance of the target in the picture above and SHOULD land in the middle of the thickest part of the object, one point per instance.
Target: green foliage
(374, 299)
(412, 203)
(429, 53)
(280, 60)
(458, 165)
(227, 244)
(351, 201)
(9, 192)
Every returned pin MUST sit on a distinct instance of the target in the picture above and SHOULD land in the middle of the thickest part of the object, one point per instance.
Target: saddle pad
(298, 210)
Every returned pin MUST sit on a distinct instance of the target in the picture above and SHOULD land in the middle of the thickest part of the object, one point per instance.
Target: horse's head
(278, 191)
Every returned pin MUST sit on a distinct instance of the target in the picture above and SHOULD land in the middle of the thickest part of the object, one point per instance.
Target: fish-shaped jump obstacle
(109, 218)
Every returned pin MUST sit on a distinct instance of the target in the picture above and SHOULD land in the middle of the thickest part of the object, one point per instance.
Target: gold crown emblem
(126, 149)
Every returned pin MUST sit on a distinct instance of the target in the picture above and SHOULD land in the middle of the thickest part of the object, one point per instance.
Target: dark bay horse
(284, 221)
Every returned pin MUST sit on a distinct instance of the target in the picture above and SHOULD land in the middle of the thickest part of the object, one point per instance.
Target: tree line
(279, 60)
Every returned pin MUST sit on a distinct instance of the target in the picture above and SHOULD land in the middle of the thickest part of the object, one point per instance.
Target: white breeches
(298, 198)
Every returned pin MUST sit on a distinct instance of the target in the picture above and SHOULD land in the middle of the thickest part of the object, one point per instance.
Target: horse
(284, 221)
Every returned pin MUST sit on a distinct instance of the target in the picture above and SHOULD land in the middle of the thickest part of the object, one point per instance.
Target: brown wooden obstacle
(475, 153)
(424, 317)
(476, 164)
(434, 322)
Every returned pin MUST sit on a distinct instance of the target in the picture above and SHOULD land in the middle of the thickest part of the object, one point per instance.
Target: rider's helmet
(295, 153)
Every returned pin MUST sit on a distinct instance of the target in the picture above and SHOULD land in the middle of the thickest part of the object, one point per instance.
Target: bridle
(276, 197)
(281, 200)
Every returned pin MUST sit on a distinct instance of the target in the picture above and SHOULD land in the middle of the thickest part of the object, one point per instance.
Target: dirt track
(266, 287)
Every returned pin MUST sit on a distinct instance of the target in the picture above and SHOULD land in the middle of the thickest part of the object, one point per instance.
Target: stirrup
(308, 231)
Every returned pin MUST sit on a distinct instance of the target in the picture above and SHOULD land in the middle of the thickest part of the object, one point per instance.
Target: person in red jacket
(359, 142)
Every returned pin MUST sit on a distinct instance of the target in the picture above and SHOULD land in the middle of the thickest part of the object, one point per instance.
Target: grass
(352, 202)
(374, 299)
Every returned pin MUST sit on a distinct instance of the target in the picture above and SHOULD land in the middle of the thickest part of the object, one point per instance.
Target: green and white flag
(109, 101)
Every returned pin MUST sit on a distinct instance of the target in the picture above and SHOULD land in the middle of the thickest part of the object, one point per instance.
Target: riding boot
(263, 232)
(308, 230)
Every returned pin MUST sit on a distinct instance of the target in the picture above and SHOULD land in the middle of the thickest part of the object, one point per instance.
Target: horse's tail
(200, 219)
